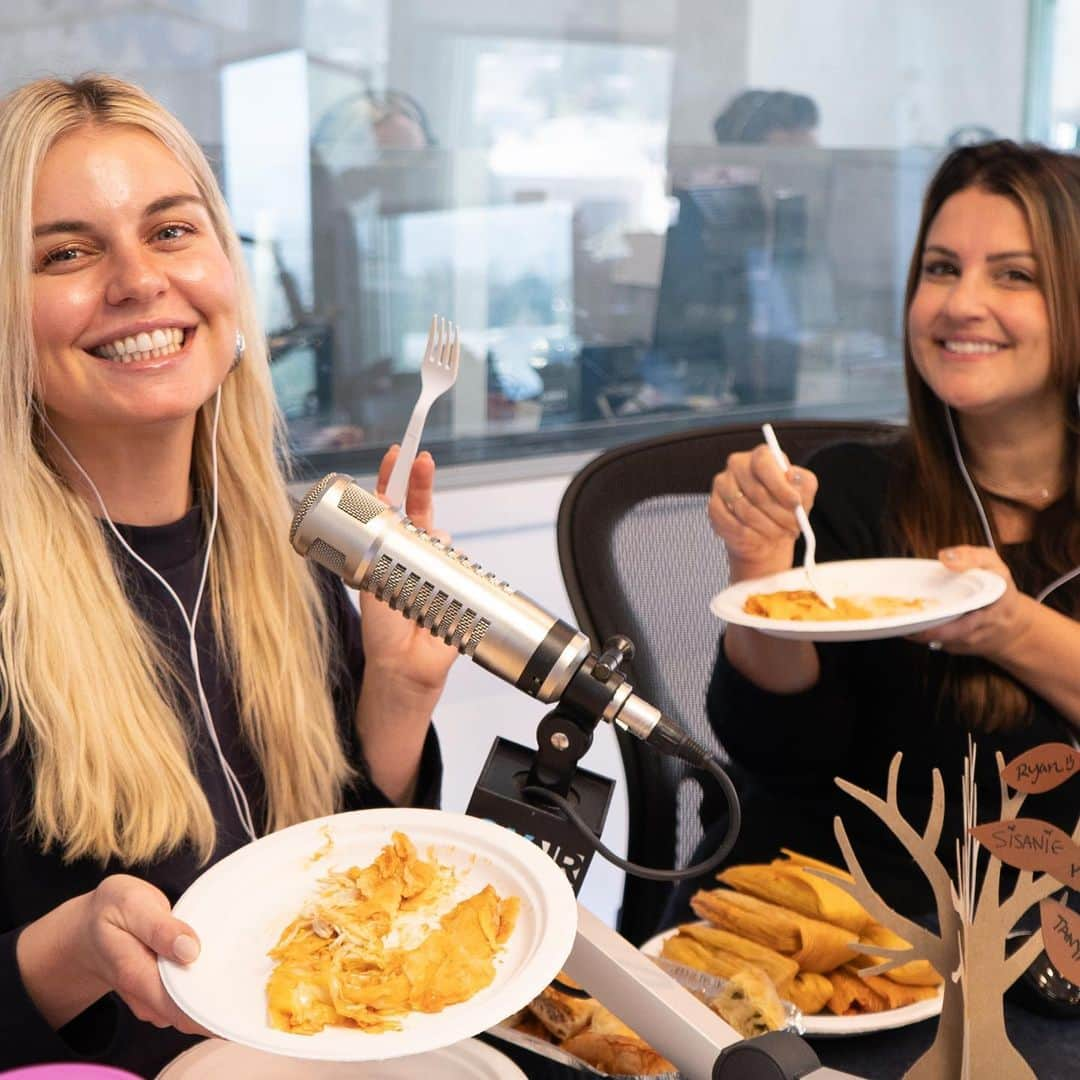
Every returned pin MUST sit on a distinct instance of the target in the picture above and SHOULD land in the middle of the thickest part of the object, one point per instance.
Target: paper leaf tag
(1032, 845)
(1042, 768)
(1061, 938)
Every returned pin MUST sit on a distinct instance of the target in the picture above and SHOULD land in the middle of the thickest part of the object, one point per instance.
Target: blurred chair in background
(638, 558)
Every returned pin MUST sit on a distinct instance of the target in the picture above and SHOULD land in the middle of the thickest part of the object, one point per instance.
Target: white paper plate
(240, 906)
(213, 1059)
(825, 1024)
(948, 595)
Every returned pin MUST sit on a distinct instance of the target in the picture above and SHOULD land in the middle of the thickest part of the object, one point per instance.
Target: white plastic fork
(809, 566)
(438, 372)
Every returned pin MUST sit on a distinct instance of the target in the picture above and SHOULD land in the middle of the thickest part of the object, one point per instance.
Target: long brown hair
(932, 507)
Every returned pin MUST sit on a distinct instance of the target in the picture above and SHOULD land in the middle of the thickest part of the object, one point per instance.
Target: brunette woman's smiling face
(134, 298)
(978, 323)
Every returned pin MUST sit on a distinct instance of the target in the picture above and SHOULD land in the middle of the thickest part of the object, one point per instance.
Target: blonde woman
(174, 679)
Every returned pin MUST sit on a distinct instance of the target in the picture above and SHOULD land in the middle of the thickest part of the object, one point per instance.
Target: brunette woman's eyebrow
(939, 249)
(166, 202)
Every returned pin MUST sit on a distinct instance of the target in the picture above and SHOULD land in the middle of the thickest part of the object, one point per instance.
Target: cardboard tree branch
(971, 1040)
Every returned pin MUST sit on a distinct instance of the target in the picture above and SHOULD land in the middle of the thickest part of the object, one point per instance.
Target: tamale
(807, 991)
(808, 860)
(815, 945)
(913, 973)
(792, 887)
(735, 953)
(851, 996)
(895, 994)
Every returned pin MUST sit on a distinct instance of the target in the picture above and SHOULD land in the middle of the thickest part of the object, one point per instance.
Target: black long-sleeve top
(873, 698)
(33, 882)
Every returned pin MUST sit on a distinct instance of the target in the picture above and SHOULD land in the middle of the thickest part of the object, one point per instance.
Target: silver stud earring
(241, 344)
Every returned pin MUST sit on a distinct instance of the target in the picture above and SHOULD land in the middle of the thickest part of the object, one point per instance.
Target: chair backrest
(639, 558)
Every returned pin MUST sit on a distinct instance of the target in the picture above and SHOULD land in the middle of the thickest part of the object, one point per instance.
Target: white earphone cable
(1057, 582)
(236, 790)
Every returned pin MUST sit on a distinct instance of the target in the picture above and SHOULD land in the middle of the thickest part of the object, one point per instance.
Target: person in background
(987, 474)
(758, 294)
(777, 117)
(175, 680)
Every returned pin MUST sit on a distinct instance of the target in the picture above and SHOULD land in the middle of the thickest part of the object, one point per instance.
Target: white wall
(894, 74)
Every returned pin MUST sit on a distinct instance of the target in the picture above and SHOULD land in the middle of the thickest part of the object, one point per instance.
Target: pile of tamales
(798, 929)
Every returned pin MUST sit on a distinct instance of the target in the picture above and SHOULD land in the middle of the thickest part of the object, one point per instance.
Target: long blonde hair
(84, 686)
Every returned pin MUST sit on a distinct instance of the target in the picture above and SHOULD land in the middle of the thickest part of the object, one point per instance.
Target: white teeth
(155, 343)
(971, 348)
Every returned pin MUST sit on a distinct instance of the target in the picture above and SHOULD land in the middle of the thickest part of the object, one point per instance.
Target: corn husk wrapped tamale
(913, 973)
(790, 886)
(807, 991)
(852, 996)
(793, 858)
(895, 994)
(727, 953)
(815, 945)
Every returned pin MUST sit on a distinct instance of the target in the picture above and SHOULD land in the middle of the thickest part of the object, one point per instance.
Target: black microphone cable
(670, 740)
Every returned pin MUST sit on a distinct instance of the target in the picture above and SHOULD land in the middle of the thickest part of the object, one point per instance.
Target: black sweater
(33, 882)
(873, 698)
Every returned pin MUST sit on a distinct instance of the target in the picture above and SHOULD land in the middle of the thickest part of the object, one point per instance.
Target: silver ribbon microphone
(376, 549)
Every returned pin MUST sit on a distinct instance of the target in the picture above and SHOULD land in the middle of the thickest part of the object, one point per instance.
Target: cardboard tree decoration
(971, 1041)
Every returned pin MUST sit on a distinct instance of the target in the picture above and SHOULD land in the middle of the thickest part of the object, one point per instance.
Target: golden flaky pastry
(594, 1034)
(617, 1055)
(562, 1014)
(333, 965)
(750, 1004)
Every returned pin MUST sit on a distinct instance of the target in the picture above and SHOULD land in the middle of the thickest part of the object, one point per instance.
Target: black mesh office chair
(639, 558)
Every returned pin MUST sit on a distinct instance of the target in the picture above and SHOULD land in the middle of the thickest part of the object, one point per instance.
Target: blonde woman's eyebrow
(167, 202)
(158, 206)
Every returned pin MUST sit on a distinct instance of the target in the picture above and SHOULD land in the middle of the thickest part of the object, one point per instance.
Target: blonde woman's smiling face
(978, 323)
(134, 299)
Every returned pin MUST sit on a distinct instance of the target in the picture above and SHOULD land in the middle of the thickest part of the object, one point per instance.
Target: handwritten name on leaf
(1061, 937)
(1042, 768)
(1032, 845)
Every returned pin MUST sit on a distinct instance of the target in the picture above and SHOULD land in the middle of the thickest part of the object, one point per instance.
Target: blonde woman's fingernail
(934, 646)
(185, 948)
(949, 554)
(795, 476)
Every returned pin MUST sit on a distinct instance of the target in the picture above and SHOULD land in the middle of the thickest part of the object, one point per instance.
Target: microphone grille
(315, 493)
(357, 503)
(327, 555)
